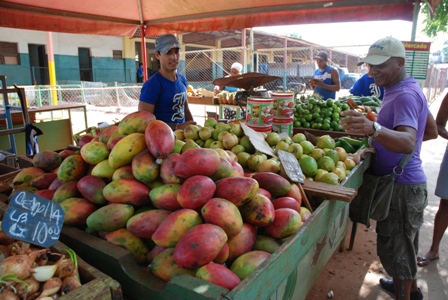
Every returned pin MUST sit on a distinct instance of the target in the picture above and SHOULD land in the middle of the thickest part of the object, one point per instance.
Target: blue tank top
(325, 76)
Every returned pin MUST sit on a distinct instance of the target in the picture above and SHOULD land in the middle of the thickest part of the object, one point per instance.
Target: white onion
(44, 273)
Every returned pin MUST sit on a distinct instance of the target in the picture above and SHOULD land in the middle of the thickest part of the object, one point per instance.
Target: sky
(358, 34)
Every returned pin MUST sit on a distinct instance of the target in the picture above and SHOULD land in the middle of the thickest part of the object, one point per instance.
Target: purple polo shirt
(404, 104)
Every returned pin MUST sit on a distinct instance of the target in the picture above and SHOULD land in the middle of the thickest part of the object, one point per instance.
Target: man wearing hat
(235, 70)
(165, 93)
(326, 80)
(403, 123)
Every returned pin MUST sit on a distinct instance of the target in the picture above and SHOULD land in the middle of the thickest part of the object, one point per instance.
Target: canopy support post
(145, 63)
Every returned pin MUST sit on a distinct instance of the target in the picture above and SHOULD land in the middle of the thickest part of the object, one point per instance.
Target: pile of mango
(173, 204)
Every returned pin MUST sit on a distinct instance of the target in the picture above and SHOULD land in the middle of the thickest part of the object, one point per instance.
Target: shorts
(397, 242)
(442, 186)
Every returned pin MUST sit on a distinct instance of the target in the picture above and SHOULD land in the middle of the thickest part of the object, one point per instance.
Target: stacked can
(260, 114)
(283, 120)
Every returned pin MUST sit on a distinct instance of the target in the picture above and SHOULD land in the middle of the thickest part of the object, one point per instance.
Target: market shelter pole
(51, 69)
(145, 63)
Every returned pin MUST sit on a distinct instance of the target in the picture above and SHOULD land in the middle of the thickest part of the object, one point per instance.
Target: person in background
(441, 218)
(400, 129)
(165, 93)
(140, 73)
(326, 80)
(235, 70)
(365, 86)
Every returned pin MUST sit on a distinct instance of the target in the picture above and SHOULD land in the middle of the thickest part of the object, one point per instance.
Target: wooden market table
(217, 108)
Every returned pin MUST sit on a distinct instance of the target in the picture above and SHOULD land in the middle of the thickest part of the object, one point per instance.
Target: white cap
(382, 50)
(237, 66)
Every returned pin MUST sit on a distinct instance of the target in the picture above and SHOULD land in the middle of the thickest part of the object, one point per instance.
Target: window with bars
(9, 54)
(117, 54)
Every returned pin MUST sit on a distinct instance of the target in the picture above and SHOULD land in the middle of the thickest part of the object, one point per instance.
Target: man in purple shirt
(401, 126)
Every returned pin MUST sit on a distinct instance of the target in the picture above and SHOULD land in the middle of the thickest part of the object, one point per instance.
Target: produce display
(200, 201)
(27, 272)
(313, 112)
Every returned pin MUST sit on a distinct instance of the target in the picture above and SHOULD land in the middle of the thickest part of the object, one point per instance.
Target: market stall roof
(123, 18)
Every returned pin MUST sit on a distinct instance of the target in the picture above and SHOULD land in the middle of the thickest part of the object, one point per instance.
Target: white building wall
(63, 43)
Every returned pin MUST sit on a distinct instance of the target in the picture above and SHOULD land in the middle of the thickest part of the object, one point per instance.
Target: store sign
(417, 59)
(33, 219)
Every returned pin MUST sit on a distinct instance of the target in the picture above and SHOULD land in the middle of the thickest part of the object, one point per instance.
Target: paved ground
(351, 274)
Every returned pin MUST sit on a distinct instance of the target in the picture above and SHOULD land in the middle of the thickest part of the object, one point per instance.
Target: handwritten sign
(291, 166)
(33, 219)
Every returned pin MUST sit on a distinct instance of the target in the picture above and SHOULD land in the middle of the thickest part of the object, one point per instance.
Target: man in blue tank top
(165, 93)
(326, 80)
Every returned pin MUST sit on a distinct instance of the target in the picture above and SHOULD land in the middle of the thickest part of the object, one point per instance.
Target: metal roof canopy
(123, 18)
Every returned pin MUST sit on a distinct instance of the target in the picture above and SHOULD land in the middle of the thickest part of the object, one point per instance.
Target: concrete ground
(350, 274)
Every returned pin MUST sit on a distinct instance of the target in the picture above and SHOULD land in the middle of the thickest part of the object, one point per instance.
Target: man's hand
(356, 123)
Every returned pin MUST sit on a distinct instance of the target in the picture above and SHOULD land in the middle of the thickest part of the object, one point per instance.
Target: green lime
(314, 125)
(326, 126)
(308, 117)
(316, 110)
(319, 120)
(315, 116)
(345, 106)
(330, 102)
(297, 124)
(335, 115)
(319, 126)
(306, 125)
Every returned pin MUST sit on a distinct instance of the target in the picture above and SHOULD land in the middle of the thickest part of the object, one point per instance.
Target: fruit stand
(288, 274)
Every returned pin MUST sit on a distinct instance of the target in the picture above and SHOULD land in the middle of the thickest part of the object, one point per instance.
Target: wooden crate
(7, 174)
(95, 284)
(289, 273)
(203, 100)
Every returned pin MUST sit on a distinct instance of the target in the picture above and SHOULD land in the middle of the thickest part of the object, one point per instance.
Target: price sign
(291, 166)
(33, 219)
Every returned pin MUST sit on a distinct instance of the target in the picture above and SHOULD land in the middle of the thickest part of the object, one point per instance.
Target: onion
(19, 265)
(27, 288)
(44, 273)
(51, 287)
(69, 284)
(7, 294)
(66, 268)
(4, 252)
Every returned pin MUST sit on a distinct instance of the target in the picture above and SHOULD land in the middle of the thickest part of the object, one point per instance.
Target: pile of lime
(318, 114)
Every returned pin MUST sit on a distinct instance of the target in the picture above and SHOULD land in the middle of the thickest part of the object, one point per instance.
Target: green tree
(439, 23)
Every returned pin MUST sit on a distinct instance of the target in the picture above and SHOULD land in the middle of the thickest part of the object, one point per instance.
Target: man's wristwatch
(377, 128)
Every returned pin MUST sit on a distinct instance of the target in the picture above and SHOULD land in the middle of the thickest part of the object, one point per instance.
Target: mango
(165, 197)
(199, 246)
(72, 168)
(43, 181)
(145, 223)
(238, 190)
(174, 227)
(265, 193)
(24, 177)
(135, 122)
(224, 214)
(125, 239)
(47, 160)
(66, 153)
(65, 191)
(224, 170)
(91, 188)
(266, 243)
(77, 210)
(103, 170)
(47, 194)
(106, 133)
(223, 255)
(55, 184)
(144, 167)
(113, 140)
(127, 191)
(167, 169)
(242, 242)
(160, 139)
(126, 148)
(286, 222)
(123, 172)
(196, 191)
(154, 252)
(110, 217)
(165, 268)
(237, 169)
(94, 152)
(244, 265)
(273, 183)
(295, 193)
(259, 211)
(286, 202)
(197, 161)
(219, 275)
